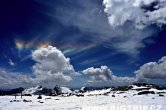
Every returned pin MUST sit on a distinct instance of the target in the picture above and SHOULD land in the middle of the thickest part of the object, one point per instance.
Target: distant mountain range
(11, 92)
(64, 91)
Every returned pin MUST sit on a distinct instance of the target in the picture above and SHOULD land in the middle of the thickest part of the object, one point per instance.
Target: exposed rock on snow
(40, 97)
(146, 92)
(83, 89)
(61, 90)
(122, 88)
(38, 90)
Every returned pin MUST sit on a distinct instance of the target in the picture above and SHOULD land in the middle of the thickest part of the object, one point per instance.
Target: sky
(79, 43)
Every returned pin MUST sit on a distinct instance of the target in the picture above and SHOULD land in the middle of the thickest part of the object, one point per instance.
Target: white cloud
(99, 74)
(137, 11)
(11, 62)
(125, 79)
(102, 75)
(91, 19)
(105, 75)
(52, 66)
(152, 70)
(13, 79)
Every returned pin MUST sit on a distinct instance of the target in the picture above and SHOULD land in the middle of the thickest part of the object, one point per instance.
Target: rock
(15, 101)
(11, 92)
(26, 95)
(27, 100)
(47, 98)
(40, 97)
(146, 92)
(57, 90)
(161, 95)
(40, 102)
(43, 91)
(64, 91)
(122, 88)
(84, 89)
(113, 95)
(38, 90)
(125, 96)
(80, 95)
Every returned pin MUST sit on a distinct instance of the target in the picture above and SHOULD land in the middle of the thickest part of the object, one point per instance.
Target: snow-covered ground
(90, 101)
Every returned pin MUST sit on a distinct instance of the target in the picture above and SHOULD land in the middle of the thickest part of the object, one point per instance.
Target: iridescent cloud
(20, 45)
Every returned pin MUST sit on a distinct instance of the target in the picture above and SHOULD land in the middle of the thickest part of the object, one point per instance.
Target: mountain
(138, 88)
(12, 91)
(61, 90)
(134, 89)
(39, 90)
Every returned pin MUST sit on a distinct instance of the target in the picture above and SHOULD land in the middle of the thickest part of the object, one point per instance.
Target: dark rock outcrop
(12, 91)
(122, 88)
(146, 92)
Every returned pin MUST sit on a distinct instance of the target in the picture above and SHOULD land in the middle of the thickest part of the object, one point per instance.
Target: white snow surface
(65, 90)
(97, 92)
(96, 101)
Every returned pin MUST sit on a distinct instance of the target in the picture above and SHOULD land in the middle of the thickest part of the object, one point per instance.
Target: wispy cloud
(11, 62)
(92, 20)
(70, 50)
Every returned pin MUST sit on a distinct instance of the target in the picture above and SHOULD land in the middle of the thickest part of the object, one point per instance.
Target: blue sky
(92, 33)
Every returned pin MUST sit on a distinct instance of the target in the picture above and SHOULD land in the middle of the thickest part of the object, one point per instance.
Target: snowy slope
(91, 100)
(65, 90)
(77, 103)
(39, 89)
(32, 90)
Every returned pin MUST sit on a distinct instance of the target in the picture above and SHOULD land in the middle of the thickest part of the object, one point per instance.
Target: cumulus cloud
(102, 75)
(52, 66)
(99, 74)
(14, 79)
(125, 79)
(141, 13)
(152, 70)
(105, 75)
